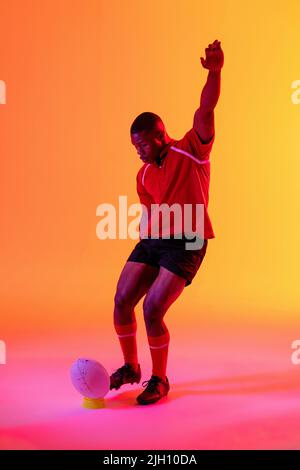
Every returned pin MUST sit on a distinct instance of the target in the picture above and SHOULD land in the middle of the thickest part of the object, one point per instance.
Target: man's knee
(153, 310)
(123, 300)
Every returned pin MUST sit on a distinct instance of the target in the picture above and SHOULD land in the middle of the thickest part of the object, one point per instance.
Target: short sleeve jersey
(182, 178)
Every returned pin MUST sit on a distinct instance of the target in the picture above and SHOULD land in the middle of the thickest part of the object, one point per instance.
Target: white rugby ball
(90, 378)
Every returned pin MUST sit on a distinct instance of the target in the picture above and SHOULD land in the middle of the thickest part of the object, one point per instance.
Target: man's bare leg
(134, 282)
(163, 292)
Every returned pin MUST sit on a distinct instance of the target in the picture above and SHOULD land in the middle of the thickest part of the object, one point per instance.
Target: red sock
(159, 346)
(127, 338)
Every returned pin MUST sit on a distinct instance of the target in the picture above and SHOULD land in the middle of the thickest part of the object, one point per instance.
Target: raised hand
(214, 57)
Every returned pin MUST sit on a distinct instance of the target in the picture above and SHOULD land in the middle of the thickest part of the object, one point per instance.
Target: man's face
(148, 145)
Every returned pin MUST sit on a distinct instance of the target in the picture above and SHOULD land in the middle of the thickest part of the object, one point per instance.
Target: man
(174, 172)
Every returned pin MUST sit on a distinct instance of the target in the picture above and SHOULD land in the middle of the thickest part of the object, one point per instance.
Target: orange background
(77, 73)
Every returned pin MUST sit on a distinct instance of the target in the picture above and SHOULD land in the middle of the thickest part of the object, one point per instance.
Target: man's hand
(214, 59)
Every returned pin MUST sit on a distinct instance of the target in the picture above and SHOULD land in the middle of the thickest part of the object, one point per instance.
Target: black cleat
(156, 389)
(125, 375)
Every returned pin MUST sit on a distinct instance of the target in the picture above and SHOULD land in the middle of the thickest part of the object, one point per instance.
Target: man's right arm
(145, 200)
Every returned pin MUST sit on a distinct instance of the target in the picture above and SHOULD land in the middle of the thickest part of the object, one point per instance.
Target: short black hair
(145, 122)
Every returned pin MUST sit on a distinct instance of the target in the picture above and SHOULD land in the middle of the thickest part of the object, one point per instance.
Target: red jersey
(182, 178)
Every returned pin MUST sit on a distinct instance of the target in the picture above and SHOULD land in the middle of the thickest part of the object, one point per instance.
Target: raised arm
(204, 115)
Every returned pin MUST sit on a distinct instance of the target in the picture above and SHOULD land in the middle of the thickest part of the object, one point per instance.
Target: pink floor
(228, 391)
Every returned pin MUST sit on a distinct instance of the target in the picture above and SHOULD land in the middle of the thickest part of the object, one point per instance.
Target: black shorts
(171, 254)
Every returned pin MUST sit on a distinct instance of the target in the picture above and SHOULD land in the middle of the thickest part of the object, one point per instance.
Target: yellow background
(77, 73)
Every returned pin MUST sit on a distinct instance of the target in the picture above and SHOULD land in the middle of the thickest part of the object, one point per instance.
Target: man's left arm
(204, 115)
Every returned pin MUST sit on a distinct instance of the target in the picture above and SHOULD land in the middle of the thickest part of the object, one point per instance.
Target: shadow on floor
(242, 384)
